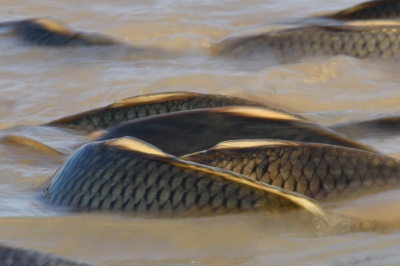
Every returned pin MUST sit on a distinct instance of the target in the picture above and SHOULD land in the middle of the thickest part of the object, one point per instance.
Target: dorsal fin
(360, 7)
(373, 23)
(139, 146)
(256, 112)
(27, 142)
(52, 25)
(153, 98)
(359, 25)
(96, 134)
(252, 143)
(136, 145)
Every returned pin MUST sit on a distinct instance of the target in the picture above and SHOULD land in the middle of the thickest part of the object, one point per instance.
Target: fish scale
(102, 118)
(319, 171)
(291, 45)
(180, 189)
(199, 196)
(12, 256)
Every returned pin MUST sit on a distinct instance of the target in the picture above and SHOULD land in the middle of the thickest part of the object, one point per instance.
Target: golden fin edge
(373, 23)
(299, 200)
(30, 143)
(96, 135)
(255, 112)
(332, 220)
(153, 98)
(136, 145)
(329, 221)
(52, 25)
(139, 146)
(252, 143)
(359, 25)
(136, 100)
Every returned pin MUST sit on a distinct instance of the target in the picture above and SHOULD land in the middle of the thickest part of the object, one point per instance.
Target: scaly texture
(316, 170)
(132, 176)
(107, 117)
(10, 256)
(294, 44)
(98, 177)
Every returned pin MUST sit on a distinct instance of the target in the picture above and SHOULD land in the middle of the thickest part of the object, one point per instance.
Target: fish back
(149, 105)
(318, 171)
(110, 176)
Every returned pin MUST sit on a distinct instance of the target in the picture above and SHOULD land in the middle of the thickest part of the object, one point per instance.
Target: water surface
(41, 84)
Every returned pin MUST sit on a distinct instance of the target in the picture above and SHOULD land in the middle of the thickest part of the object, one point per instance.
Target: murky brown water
(38, 85)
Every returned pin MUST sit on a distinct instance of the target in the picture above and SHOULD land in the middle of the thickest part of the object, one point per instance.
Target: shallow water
(39, 84)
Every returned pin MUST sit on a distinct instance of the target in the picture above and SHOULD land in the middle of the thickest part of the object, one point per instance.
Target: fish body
(149, 105)
(318, 171)
(130, 175)
(357, 39)
(12, 256)
(190, 131)
(378, 9)
(47, 32)
(375, 127)
(29, 143)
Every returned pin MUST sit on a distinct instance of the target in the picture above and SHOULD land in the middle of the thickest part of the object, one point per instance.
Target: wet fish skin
(384, 126)
(319, 171)
(99, 176)
(292, 45)
(12, 256)
(195, 130)
(380, 9)
(145, 105)
(139, 178)
(47, 32)
(29, 143)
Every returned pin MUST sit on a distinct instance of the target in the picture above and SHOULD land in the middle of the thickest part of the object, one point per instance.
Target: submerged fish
(190, 131)
(318, 171)
(357, 39)
(148, 105)
(378, 9)
(47, 32)
(29, 143)
(130, 175)
(11, 256)
(381, 126)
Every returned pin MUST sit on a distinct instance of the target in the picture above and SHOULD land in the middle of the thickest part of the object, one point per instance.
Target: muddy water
(38, 85)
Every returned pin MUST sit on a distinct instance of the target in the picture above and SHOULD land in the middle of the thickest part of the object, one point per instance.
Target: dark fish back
(11, 256)
(45, 32)
(381, 9)
(318, 171)
(114, 114)
(385, 126)
(313, 41)
(190, 131)
(100, 177)
(129, 175)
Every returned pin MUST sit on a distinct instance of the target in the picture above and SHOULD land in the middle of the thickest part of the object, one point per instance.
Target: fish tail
(30, 143)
